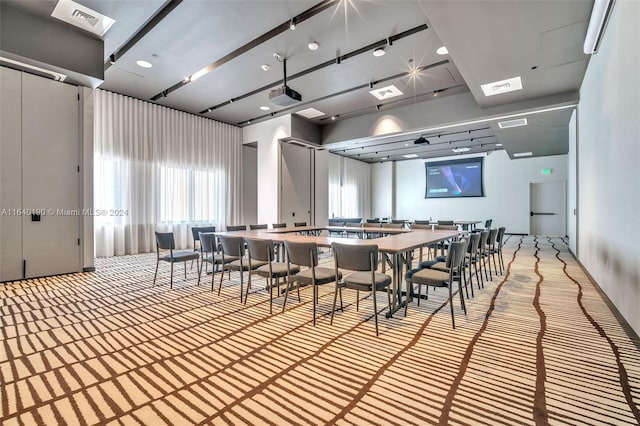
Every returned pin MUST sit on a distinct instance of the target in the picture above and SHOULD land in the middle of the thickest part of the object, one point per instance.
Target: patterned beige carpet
(538, 346)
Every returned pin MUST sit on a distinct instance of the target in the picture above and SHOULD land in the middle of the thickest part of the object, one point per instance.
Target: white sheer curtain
(349, 187)
(160, 169)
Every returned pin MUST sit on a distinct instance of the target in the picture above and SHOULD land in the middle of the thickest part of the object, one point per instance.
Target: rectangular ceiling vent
(512, 123)
(310, 113)
(82, 17)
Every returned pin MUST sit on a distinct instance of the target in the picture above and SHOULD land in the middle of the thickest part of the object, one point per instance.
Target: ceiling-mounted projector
(285, 95)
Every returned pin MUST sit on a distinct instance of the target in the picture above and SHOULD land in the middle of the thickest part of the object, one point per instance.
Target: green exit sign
(545, 171)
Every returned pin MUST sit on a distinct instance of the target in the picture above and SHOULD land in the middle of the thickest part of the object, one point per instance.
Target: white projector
(284, 96)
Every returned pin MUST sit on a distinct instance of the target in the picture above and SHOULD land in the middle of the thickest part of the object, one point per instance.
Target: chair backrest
(456, 253)
(207, 242)
(261, 226)
(484, 237)
(303, 254)
(445, 222)
(232, 246)
(420, 226)
(353, 224)
(500, 236)
(445, 227)
(373, 220)
(393, 225)
(493, 234)
(260, 249)
(196, 230)
(164, 241)
(336, 222)
(299, 223)
(236, 228)
(474, 242)
(422, 222)
(279, 225)
(355, 257)
(402, 221)
(487, 223)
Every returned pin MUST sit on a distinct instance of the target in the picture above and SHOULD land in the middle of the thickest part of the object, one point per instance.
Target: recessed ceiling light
(386, 92)
(379, 52)
(462, 149)
(498, 144)
(333, 118)
(265, 67)
(512, 123)
(523, 154)
(442, 50)
(265, 108)
(313, 45)
(410, 156)
(82, 17)
(144, 64)
(310, 113)
(384, 158)
(502, 86)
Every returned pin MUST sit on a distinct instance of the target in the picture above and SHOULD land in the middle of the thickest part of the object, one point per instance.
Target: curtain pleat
(349, 187)
(158, 169)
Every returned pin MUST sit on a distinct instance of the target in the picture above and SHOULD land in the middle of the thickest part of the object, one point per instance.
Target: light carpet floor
(537, 346)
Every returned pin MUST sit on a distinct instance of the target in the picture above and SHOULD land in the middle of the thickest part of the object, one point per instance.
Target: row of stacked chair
(471, 255)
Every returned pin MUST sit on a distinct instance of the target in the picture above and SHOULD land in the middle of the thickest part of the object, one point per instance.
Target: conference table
(397, 247)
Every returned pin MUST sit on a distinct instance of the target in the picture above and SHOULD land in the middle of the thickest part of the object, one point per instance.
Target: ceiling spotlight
(265, 67)
(144, 64)
(379, 52)
(313, 45)
(112, 59)
(248, 121)
(292, 24)
(384, 158)
(333, 118)
(442, 51)
(210, 109)
(265, 108)
(421, 140)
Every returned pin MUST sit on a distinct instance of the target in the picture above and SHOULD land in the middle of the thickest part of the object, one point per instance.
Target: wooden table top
(397, 243)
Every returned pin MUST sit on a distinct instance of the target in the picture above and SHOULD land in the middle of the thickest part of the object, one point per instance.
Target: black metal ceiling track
(151, 23)
(337, 60)
(470, 139)
(428, 154)
(446, 146)
(353, 89)
(307, 14)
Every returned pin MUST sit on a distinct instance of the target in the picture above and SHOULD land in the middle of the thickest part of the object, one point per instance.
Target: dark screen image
(455, 178)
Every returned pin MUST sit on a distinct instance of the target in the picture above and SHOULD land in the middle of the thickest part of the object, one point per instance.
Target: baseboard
(89, 269)
(519, 235)
(631, 333)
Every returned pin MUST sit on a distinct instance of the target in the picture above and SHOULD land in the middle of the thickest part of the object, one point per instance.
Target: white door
(295, 178)
(50, 159)
(547, 209)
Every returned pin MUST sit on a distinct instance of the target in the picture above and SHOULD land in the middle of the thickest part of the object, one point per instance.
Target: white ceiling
(488, 40)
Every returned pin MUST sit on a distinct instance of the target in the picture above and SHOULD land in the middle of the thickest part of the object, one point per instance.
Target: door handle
(541, 214)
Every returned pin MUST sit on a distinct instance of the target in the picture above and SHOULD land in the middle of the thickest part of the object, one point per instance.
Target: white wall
(268, 134)
(249, 185)
(608, 156)
(506, 188)
(572, 191)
